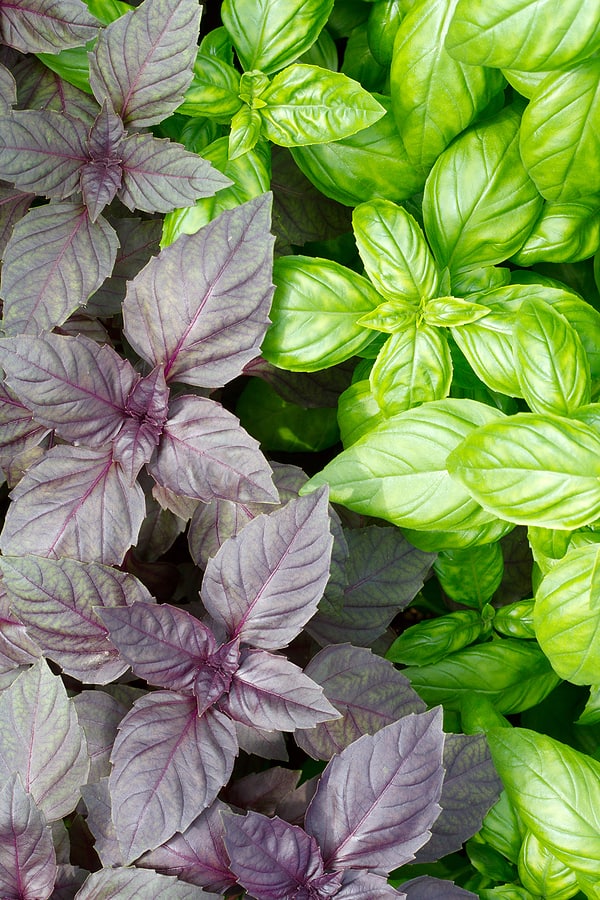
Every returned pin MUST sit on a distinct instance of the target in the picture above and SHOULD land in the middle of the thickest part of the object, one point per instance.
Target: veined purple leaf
(99, 715)
(267, 744)
(263, 791)
(168, 766)
(146, 407)
(40, 88)
(265, 584)
(46, 26)
(16, 646)
(143, 61)
(272, 859)
(135, 884)
(367, 886)
(205, 453)
(105, 135)
(75, 502)
(270, 692)
(201, 306)
(18, 431)
(42, 151)
(471, 787)
(160, 175)
(213, 678)
(376, 801)
(71, 384)
(13, 206)
(54, 260)
(309, 389)
(41, 739)
(56, 599)
(163, 644)
(27, 857)
(68, 880)
(369, 692)
(427, 888)
(96, 797)
(99, 183)
(292, 806)
(197, 856)
(8, 91)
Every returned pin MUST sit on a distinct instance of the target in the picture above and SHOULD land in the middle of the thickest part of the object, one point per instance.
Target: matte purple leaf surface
(270, 692)
(54, 260)
(213, 678)
(56, 599)
(143, 60)
(201, 306)
(265, 584)
(41, 739)
(16, 646)
(368, 691)
(99, 183)
(147, 409)
(205, 453)
(75, 502)
(427, 888)
(46, 26)
(367, 886)
(263, 791)
(18, 431)
(99, 715)
(71, 384)
(42, 151)
(267, 744)
(27, 857)
(136, 884)
(168, 766)
(13, 206)
(40, 88)
(8, 91)
(96, 797)
(376, 801)
(68, 881)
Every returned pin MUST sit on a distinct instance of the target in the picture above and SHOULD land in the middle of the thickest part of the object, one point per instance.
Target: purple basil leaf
(16, 646)
(143, 60)
(46, 26)
(471, 787)
(160, 529)
(75, 502)
(13, 206)
(265, 584)
(308, 389)
(41, 739)
(136, 884)
(8, 91)
(267, 744)
(40, 88)
(96, 797)
(27, 857)
(163, 644)
(42, 151)
(168, 766)
(105, 135)
(272, 859)
(147, 407)
(18, 431)
(292, 807)
(71, 384)
(68, 881)
(377, 800)
(54, 260)
(214, 676)
(263, 791)
(427, 888)
(99, 182)
(201, 306)
(56, 599)
(367, 886)
(99, 715)
(369, 692)
(205, 453)
(197, 856)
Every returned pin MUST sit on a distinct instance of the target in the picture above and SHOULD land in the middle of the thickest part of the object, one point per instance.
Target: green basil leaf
(269, 35)
(474, 281)
(478, 715)
(434, 97)
(501, 828)
(556, 791)
(479, 203)
(434, 639)
(358, 412)
(514, 675)
(550, 360)
(245, 131)
(397, 471)
(214, 90)
(564, 232)
(591, 713)
(471, 576)
(71, 65)
(218, 43)
(520, 34)
(434, 541)
(383, 23)
(526, 83)
(414, 366)
(516, 620)
(533, 469)
(323, 53)
(542, 873)
(394, 251)
(309, 105)
(391, 316)
(547, 545)
(107, 11)
(360, 64)
(493, 866)
(560, 143)
(567, 615)
(451, 311)
(488, 346)
(315, 309)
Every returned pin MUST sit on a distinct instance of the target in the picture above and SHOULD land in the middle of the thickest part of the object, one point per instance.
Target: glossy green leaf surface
(564, 232)
(430, 641)
(214, 90)
(358, 412)
(471, 576)
(542, 873)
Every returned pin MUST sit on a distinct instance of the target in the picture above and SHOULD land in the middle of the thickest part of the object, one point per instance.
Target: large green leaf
(358, 412)
(556, 791)
(567, 615)
(397, 471)
(471, 576)
(488, 346)
(564, 232)
(533, 469)
(542, 873)
(214, 90)
(560, 139)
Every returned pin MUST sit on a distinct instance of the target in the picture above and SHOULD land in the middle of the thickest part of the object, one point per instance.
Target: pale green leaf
(564, 232)
(446, 312)
(458, 540)
(470, 576)
(214, 90)
(245, 131)
(358, 412)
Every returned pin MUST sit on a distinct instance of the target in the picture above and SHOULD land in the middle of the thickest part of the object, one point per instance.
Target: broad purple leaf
(71, 384)
(143, 61)
(99, 715)
(68, 881)
(197, 856)
(265, 584)
(46, 26)
(201, 306)
(42, 151)
(13, 206)
(160, 175)
(146, 408)
(41, 739)
(8, 91)
(270, 692)
(18, 431)
(54, 260)
(213, 678)
(40, 88)
(136, 884)
(272, 859)
(105, 135)
(377, 800)
(369, 692)
(367, 886)
(384, 573)
(292, 807)
(96, 797)
(27, 857)
(471, 787)
(75, 502)
(205, 453)
(56, 599)
(263, 791)
(160, 529)
(16, 646)
(102, 175)
(312, 390)
(163, 644)
(427, 888)
(168, 766)
(267, 744)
